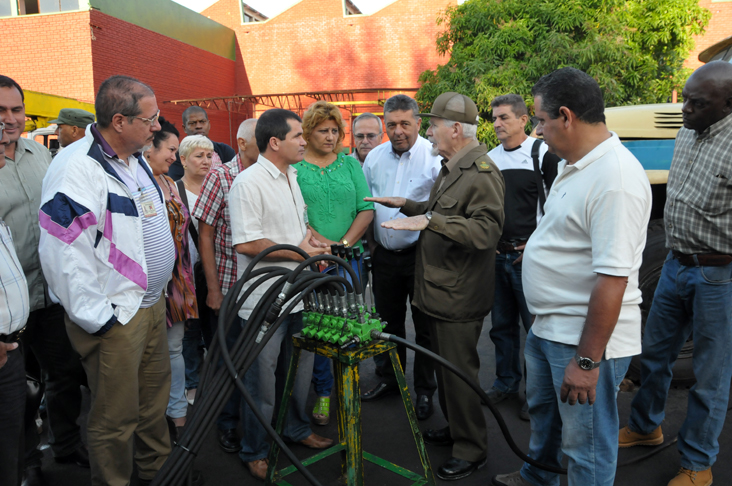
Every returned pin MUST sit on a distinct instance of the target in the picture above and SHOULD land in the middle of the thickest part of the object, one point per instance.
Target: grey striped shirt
(698, 213)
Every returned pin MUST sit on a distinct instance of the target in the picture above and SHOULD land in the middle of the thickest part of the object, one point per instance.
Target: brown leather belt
(508, 247)
(703, 259)
(11, 338)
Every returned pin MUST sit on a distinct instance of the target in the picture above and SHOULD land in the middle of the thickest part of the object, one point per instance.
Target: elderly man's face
(68, 134)
(367, 134)
(705, 102)
(12, 113)
(139, 132)
(439, 135)
(402, 128)
(197, 124)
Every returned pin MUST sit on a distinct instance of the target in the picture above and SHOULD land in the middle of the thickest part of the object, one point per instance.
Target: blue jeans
(508, 305)
(587, 434)
(260, 382)
(698, 300)
(192, 355)
(177, 404)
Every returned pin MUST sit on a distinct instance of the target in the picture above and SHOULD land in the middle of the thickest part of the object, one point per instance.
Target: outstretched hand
(414, 223)
(389, 202)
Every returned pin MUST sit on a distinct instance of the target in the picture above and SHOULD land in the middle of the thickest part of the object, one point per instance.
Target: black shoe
(229, 441)
(455, 468)
(424, 407)
(379, 391)
(80, 456)
(34, 477)
(439, 437)
(524, 413)
(497, 396)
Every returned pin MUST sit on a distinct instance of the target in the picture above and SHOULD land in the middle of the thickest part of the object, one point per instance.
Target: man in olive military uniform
(460, 226)
(71, 125)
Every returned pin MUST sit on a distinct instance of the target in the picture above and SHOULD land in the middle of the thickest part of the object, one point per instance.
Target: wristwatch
(344, 241)
(586, 363)
(428, 215)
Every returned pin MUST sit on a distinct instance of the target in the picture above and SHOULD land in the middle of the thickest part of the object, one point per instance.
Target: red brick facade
(313, 47)
(719, 27)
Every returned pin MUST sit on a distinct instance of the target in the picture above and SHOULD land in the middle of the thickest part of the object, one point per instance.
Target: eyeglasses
(370, 136)
(2, 127)
(150, 120)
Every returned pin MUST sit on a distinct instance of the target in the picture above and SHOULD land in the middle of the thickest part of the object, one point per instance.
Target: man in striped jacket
(107, 252)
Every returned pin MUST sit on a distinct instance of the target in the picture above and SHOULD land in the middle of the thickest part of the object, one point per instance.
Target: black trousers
(45, 336)
(12, 408)
(393, 277)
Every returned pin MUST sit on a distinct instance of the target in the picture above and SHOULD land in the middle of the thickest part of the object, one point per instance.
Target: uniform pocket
(440, 277)
(447, 202)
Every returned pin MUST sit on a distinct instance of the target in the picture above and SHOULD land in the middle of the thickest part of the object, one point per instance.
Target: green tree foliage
(635, 49)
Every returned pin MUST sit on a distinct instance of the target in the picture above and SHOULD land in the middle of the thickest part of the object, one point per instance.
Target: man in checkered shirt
(694, 293)
(217, 253)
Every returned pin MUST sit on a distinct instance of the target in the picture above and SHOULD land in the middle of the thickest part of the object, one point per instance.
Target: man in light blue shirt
(403, 167)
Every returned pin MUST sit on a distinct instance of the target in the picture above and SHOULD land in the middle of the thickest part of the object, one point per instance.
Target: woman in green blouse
(333, 186)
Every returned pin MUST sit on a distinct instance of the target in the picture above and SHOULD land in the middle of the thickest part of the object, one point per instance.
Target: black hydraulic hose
(477, 389)
(312, 260)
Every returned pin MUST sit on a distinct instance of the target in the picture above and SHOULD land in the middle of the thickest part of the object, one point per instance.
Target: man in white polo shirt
(267, 209)
(580, 279)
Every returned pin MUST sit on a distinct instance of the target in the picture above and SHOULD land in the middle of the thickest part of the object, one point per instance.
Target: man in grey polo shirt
(71, 125)
(267, 208)
(26, 163)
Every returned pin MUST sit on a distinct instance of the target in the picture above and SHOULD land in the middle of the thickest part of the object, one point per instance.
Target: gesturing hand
(578, 385)
(389, 202)
(415, 223)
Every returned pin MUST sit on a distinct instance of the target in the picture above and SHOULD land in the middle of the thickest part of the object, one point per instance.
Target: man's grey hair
(469, 130)
(516, 102)
(368, 116)
(119, 94)
(401, 102)
(191, 110)
(246, 129)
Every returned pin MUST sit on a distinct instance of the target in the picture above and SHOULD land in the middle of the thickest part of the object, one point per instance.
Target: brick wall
(55, 56)
(313, 47)
(719, 27)
(173, 69)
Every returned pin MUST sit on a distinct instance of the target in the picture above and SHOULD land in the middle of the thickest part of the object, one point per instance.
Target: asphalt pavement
(386, 434)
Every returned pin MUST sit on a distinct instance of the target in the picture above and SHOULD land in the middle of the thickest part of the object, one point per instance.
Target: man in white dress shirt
(403, 167)
(267, 208)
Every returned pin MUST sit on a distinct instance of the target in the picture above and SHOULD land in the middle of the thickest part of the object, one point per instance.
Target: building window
(350, 8)
(248, 14)
(6, 8)
(27, 7)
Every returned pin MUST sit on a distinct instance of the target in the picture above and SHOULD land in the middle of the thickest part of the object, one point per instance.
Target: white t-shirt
(263, 204)
(596, 218)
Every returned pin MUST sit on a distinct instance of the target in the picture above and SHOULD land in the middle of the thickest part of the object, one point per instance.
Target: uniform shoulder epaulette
(484, 164)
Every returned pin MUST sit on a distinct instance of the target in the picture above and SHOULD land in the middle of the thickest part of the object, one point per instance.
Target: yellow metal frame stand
(349, 414)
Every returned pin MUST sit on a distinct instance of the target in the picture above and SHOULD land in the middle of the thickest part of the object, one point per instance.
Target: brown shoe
(686, 477)
(628, 438)
(314, 441)
(258, 468)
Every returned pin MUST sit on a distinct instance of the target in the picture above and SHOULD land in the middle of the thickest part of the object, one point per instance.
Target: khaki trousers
(457, 342)
(128, 369)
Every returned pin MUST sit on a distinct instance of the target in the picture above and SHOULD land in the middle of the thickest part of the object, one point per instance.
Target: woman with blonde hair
(333, 186)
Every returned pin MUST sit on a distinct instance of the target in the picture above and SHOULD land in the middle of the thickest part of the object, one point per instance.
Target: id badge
(148, 209)
(305, 215)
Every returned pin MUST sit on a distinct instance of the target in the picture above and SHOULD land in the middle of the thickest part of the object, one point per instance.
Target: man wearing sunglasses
(107, 251)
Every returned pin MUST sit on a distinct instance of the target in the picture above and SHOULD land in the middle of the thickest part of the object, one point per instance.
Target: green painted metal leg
(352, 424)
(274, 451)
(412, 416)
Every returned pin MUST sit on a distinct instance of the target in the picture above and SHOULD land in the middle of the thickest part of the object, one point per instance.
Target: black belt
(509, 246)
(402, 251)
(702, 259)
(11, 338)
